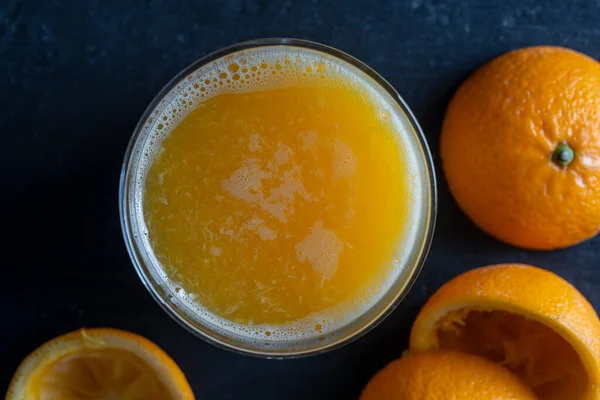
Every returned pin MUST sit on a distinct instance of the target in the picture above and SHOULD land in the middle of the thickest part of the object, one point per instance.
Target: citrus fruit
(524, 318)
(99, 363)
(520, 147)
(445, 374)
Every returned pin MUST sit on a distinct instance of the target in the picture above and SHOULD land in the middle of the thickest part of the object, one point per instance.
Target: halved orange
(524, 318)
(99, 363)
(444, 375)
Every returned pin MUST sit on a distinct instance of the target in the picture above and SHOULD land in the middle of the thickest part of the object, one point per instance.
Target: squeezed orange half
(269, 206)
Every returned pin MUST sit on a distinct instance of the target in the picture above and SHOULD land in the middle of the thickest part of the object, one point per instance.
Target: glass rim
(430, 206)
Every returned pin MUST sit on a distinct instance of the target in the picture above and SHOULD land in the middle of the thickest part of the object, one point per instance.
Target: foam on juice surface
(271, 189)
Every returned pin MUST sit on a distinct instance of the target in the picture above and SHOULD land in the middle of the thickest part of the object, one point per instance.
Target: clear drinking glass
(149, 271)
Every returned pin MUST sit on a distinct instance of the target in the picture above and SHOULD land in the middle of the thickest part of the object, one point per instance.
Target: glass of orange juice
(278, 198)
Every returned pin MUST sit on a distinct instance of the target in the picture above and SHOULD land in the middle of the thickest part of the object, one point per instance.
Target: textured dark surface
(76, 75)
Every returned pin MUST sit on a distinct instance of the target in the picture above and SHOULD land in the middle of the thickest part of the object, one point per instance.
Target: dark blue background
(76, 75)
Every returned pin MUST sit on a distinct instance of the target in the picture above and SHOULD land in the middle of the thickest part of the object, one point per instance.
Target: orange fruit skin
(525, 290)
(444, 375)
(499, 133)
(46, 353)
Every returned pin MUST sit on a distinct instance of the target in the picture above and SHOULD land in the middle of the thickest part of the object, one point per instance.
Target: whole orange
(445, 375)
(520, 147)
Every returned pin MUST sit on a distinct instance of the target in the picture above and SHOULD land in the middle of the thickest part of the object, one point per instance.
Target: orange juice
(278, 193)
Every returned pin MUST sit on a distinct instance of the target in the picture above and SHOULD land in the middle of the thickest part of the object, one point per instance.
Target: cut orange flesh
(99, 364)
(521, 317)
(536, 353)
